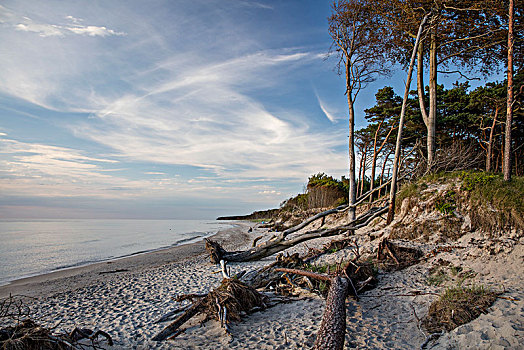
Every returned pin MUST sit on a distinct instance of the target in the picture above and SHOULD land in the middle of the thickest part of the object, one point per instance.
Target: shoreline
(30, 285)
(128, 304)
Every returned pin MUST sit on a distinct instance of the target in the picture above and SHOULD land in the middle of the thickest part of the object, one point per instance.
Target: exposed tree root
(225, 303)
(392, 256)
(21, 332)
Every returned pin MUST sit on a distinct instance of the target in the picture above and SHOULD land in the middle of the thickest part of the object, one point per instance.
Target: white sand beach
(126, 304)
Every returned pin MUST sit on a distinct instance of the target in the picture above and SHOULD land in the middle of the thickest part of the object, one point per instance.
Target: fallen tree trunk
(338, 209)
(176, 324)
(332, 332)
(279, 242)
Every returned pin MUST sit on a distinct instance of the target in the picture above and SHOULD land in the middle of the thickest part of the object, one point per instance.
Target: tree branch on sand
(280, 241)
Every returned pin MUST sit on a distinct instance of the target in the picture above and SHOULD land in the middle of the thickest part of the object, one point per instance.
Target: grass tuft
(457, 306)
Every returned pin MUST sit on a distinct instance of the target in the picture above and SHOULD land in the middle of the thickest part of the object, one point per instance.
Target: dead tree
(279, 242)
(225, 303)
(332, 332)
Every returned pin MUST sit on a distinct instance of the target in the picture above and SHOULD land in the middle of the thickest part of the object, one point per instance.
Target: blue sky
(167, 109)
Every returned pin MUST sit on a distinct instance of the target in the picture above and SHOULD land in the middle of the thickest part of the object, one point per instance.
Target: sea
(35, 247)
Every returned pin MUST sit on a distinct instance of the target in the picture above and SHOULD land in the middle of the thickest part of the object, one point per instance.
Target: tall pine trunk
(352, 185)
(432, 116)
(509, 103)
(396, 161)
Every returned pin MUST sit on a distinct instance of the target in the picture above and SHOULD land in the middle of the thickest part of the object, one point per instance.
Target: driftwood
(278, 242)
(176, 324)
(225, 303)
(331, 334)
(328, 212)
(20, 331)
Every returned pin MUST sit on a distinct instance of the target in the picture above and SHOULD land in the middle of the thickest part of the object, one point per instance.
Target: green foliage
(464, 116)
(455, 270)
(459, 293)
(437, 278)
(323, 287)
(321, 268)
(299, 201)
(446, 204)
(470, 180)
(478, 192)
(490, 190)
(323, 180)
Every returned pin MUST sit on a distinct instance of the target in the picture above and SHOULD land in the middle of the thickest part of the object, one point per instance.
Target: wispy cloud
(178, 88)
(40, 170)
(256, 4)
(75, 27)
(206, 118)
(325, 109)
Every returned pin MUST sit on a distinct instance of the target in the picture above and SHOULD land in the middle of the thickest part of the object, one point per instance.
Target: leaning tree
(357, 44)
(462, 34)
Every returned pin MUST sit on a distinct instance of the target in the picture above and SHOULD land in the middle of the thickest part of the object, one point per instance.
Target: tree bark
(352, 187)
(332, 331)
(420, 84)
(509, 104)
(374, 161)
(432, 117)
(364, 157)
(490, 143)
(360, 169)
(396, 161)
(176, 324)
(382, 172)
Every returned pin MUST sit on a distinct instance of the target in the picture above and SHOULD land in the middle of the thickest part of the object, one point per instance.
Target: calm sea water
(34, 247)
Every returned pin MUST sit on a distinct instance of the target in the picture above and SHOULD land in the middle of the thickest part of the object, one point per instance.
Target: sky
(167, 109)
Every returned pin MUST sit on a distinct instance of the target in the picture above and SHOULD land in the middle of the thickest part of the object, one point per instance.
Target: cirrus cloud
(75, 26)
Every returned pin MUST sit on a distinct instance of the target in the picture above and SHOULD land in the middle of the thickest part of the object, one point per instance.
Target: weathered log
(256, 240)
(332, 332)
(338, 209)
(312, 219)
(170, 315)
(186, 316)
(310, 274)
(279, 242)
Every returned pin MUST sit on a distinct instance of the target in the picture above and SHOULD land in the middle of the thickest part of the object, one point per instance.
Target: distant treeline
(322, 191)
(257, 215)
